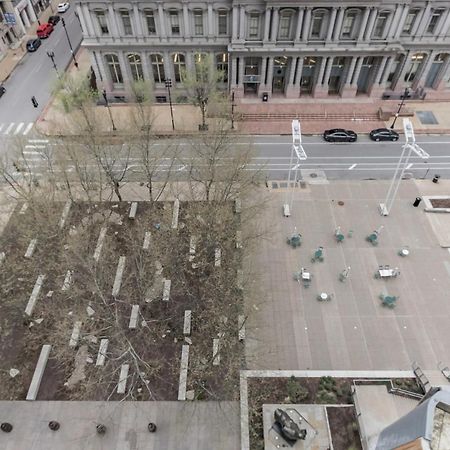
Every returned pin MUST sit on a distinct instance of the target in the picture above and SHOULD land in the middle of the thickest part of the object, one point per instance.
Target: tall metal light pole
(400, 106)
(109, 110)
(409, 147)
(51, 55)
(75, 63)
(232, 110)
(168, 83)
(300, 156)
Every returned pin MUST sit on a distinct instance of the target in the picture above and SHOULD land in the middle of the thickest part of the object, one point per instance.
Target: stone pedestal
(348, 91)
(320, 91)
(377, 91)
(292, 92)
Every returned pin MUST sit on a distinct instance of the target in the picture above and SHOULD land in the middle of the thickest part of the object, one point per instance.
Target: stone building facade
(293, 49)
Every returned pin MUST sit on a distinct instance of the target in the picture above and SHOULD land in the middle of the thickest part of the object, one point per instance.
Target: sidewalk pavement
(360, 114)
(14, 56)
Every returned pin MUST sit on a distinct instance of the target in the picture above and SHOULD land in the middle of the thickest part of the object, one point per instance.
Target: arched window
(136, 66)
(416, 60)
(114, 68)
(222, 65)
(179, 65)
(157, 62)
(349, 26)
(285, 27)
(435, 73)
(319, 23)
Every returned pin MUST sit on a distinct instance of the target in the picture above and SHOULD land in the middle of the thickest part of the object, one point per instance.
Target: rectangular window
(126, 22)
(434, 20)
(285, 27)
(316, 27)
(409, 22)
(150, 20)
(198, 22)
(158, 68)
(253, 26)
(223, 22)
(378, 31)
(174, 23)
(101, 19)
(348, 25)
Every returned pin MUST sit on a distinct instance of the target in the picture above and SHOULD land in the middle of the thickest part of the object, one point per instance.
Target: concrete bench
(38, 373)
(217, 257)
(67, 280)
(133, 210)
(166, 290)
(241, 327)
(75, 334)
(101, 356)
(147, 238)
(187, 322)
(119, 274)
(183, 372)
(216, 354)
(30, 249)
(65, 214)
(134, 317)
(122, 385)
(34, 295)
(176, 210)
(98, 248)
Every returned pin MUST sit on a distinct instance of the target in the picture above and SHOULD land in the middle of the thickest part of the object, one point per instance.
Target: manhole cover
(313, 175)
(340, 203)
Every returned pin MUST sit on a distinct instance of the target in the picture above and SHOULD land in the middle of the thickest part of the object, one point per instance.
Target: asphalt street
(364, 159)
(35, 76)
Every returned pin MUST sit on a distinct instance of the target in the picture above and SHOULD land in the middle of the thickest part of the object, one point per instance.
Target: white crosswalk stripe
(15, 129)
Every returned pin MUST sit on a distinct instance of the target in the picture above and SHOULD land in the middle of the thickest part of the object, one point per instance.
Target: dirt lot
(440, 202)
(152, 350)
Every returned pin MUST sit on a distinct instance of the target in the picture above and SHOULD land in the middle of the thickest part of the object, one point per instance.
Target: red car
(44, 30)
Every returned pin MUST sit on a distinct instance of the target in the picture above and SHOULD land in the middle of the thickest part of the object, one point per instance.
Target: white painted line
(409, 166)
(187, 322)
(11, 126)
(34, 146)
(101, 356)
(75, 334)
(28, 128)
(98, 248)
(352, 167)
(134, 317)
(183, 372)
(121, 387)
(34, 295)
(119, 274)
(37, 141)
(38, 372)
(65, 213)
(19, 127)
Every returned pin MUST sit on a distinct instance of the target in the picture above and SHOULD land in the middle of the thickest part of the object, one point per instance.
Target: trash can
(417, 202)
(436, 178)
(265, 96)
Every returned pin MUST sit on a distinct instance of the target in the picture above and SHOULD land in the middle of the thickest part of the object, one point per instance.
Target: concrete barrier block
(98, 248)
(133, 210)
(119, 274)
(134, 317)
(75, 334)
(38, 373)
(67, 280)
(122, 385)
(65, 214)
(183, 372)
(216, 354)
(31, 248)
(217, 257)
(101, 356)
(34, 295)
(176, 210)
(147, 239)
(166, 290)
(187, 322)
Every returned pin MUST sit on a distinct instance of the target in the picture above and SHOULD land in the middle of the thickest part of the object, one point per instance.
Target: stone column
(168, 67)
(423, 70)
(424, 21)
(381, 68)
(338, 26)
(326, 77)
(376, 90)
(187, 28)
(124, 68)
(211, 31)
(298, 29)
(146, 67)
(349, 90)
(364, 21)
(291, 89)
(369, 29)
(269, 76)
(331, 24)
(266, 24)
(98, 67)
(395, 21)
(318, 88)
(31, 12)
(262, 84)
(25, 18)
(89, 24)
(298, 77)
(113, 22)
(402, 22)
(233, 71)
(398, 83)
(242, 23)
(137, 20)
(445, 25)
(162, 22)
(441, 81)
(275, 21)
(84, 27)
(357, 71)
(305, 31)
(241, 73)
(235, 29)
(387, 71)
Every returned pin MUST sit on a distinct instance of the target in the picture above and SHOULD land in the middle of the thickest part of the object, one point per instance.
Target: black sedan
(33, 44)
(383, 134)
(54, 20)
(2, 90)
(339, 135)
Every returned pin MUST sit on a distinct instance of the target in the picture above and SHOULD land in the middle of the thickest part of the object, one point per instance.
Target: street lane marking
(19, 127)
(34, 146)
(11, 126)
(352, 167)
(28, 128)
(38, 141)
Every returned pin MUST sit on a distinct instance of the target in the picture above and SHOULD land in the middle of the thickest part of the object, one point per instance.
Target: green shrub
(325, 396)
(327, 383)
(297, 393)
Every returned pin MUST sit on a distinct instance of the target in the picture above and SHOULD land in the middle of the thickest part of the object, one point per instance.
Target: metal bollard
(417, 202)
(436, 178)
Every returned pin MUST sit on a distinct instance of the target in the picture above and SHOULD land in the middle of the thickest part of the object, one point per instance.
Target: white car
(63, 7)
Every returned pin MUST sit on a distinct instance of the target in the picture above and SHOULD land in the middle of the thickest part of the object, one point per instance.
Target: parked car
(44, 30)
(2, 90)
(54, 20)
(33, 44)
(339, 135)
(63, 7)
(383, 134)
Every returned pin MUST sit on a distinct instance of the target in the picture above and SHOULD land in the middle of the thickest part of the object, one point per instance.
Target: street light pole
(168, 83)
(75, 63)
(400, 106)
(109, 110)
(51, 55)
(232, 110)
